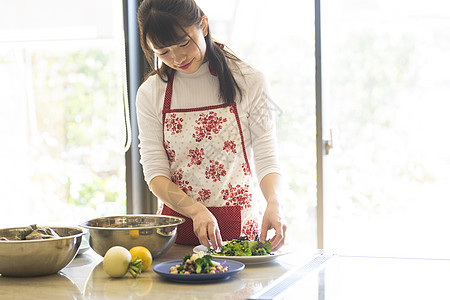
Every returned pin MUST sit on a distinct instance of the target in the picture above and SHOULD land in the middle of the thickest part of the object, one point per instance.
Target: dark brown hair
(161, 20)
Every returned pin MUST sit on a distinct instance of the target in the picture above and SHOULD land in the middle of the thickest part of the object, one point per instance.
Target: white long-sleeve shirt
(202, 89)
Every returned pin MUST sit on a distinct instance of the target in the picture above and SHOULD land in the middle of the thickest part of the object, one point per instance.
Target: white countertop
(299, 275)
(84, 278)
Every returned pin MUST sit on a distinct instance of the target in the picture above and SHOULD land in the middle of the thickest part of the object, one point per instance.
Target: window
(386, 84)
(62, 119)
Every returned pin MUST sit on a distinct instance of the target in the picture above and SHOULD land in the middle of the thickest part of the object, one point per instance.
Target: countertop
(315, 275)
(84, 278)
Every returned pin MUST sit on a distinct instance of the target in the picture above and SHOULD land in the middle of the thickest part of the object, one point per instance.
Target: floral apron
(206, 151)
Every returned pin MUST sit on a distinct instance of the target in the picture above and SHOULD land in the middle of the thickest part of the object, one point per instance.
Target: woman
(202, 114)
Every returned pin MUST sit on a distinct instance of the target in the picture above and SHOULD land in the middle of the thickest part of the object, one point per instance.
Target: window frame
(139, 198)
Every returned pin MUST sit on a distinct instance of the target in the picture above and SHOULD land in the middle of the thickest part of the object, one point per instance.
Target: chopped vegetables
(242, 246)
(198, 263)
(41, 233)
(34, 232)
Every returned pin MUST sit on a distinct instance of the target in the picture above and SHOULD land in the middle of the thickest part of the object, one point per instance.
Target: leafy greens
(242, 246)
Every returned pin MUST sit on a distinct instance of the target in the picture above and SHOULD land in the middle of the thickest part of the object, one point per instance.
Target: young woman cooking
(202, 115)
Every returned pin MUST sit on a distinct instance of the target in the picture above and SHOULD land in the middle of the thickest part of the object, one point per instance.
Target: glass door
(387, 85)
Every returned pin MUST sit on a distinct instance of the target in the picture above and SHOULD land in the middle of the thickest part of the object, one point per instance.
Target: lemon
(144, 254)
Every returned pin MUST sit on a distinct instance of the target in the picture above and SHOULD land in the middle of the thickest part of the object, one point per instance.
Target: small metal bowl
(26, 258)
(157, 233)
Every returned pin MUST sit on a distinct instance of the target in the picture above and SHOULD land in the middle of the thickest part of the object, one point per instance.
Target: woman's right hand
(205, 226)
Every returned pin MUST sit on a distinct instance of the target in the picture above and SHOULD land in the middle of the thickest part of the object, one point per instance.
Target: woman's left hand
(272, 220)
(271, 187)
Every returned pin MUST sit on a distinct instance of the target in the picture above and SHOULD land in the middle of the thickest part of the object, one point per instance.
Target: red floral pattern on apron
(206, 152)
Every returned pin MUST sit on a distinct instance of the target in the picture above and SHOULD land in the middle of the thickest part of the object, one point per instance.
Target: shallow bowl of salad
(244, 250)
(37, 250)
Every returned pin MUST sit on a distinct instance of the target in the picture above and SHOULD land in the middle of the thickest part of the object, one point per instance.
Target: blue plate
(163, 269)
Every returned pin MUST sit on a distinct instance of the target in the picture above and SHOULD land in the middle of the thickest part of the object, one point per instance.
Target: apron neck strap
(168, 95)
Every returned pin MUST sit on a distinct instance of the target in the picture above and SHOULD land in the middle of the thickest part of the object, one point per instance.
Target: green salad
(198, 263)
(242, 246)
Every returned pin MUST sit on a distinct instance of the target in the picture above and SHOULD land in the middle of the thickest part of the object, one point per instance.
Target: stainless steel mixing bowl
(26, 258)
(157, 233)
